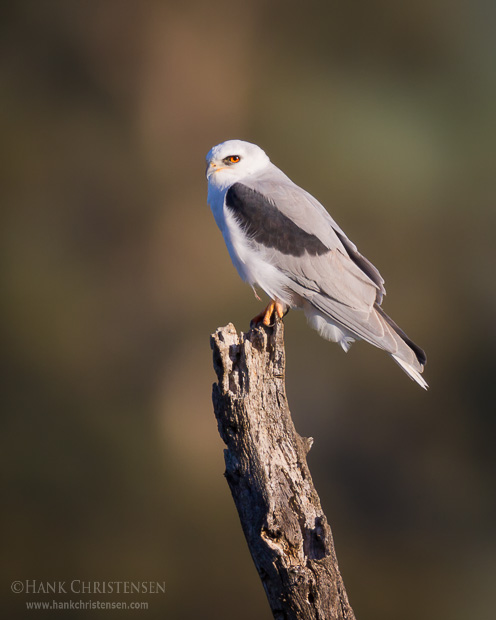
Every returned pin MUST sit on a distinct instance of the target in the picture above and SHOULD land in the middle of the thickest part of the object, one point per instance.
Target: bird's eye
(232, 159)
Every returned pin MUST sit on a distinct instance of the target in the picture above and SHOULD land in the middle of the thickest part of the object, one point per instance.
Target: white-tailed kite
(281, 239)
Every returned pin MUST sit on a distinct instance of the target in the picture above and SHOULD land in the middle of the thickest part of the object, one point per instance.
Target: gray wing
(328, 260)
(309, 215)
(322, 266)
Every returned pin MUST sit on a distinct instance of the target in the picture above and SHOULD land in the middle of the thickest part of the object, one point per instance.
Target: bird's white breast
(253, 263)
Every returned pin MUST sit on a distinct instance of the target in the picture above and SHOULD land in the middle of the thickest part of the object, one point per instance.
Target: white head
(232, 160)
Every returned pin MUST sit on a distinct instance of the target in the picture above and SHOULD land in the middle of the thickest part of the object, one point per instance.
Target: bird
(282, 240)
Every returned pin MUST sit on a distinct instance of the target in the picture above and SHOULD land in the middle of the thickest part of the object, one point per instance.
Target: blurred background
(114, 275)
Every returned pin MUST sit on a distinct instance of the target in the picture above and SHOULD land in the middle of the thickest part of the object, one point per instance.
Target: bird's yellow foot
(265, 317)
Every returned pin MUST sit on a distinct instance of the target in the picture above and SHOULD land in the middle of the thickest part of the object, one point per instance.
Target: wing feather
(335, 286)
(308, 214)
(341, 283)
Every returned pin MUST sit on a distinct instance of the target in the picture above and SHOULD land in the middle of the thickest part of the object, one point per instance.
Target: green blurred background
(114, 275)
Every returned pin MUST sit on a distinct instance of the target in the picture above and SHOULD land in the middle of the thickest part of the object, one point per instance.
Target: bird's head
(231, 161)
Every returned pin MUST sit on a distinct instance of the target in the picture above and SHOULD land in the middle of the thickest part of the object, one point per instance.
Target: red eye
(233, 159)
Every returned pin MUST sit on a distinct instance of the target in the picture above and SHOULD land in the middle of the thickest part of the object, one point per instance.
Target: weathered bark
(266, 469)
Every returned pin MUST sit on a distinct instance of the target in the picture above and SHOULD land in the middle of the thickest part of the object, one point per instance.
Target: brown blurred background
(114, 275)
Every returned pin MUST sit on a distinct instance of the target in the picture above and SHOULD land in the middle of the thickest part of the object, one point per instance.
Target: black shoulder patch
(262, 220)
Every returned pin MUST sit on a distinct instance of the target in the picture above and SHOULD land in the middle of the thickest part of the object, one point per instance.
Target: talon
(265, 317)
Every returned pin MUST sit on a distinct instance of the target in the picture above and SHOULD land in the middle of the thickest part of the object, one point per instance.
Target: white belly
(254, 262)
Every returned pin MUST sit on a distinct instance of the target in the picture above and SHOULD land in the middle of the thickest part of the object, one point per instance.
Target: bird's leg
(255, 293)
(275, 307)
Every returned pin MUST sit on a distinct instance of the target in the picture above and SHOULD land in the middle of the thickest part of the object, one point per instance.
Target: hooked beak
(212, 168)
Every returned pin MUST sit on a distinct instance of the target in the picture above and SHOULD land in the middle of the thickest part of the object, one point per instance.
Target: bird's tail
(412, 372)
(410, 357)
(380, 331)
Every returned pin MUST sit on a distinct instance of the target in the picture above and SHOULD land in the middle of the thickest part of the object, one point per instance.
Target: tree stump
(287, 532)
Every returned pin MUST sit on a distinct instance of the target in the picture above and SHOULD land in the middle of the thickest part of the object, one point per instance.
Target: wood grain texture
(287, 532)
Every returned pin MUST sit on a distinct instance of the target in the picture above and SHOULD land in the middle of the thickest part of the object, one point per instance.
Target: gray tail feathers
(410, 357)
